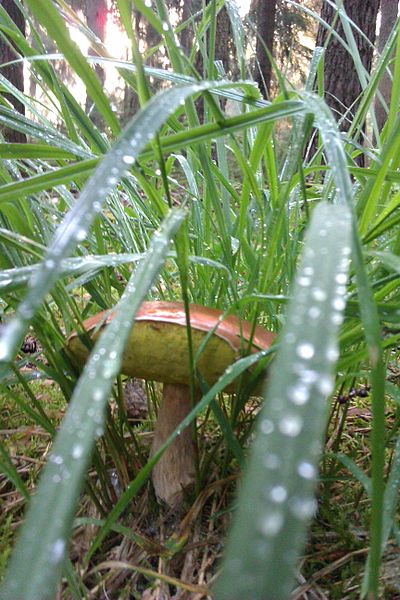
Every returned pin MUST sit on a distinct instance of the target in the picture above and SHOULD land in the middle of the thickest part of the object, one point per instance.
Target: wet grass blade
(12, 279)
(37, 563)
(277, 495)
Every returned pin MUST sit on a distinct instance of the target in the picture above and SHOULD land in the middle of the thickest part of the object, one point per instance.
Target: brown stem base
(175, 471)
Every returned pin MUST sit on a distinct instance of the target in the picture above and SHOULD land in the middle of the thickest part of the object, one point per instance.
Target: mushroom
(157, 350)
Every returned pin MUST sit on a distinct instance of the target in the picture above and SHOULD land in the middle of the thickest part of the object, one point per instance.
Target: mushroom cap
(157, 347)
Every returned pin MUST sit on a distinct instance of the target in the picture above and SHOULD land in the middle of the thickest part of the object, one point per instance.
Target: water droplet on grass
(77, 451)
(314, 312)
(291, 425)
(305, 350)
(57, 551)
(272, 462)
(325, 384)
(338, 304)
(319, 295)
(341, 278)
(303, 508)
(128, 159)
(266, 426)
(271, 524)
(278, 494)
(306, 470)
(332, 353)
(80, 235)
(299, 394)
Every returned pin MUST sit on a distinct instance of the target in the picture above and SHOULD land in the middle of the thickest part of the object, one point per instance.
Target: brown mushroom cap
(157, 347)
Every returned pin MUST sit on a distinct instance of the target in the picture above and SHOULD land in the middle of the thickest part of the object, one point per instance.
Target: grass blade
(38, 559)
(280, 477)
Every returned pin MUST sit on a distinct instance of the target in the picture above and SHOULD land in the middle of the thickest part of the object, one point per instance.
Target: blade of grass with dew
(370, 320)
(75, 226)
(12, 279)
(29, 151)
(170, 143)
(37, 563)
(277, 494)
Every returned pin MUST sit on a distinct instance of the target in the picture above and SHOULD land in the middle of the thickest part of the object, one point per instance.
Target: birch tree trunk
(14, 73)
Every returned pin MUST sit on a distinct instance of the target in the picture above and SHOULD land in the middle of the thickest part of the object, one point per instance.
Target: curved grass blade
(12, 279)
(37, 563)
(277, 494)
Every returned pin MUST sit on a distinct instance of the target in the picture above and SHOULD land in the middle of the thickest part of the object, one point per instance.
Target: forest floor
(158, 554)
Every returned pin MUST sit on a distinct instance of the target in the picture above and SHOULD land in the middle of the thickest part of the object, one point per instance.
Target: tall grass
(87, 222)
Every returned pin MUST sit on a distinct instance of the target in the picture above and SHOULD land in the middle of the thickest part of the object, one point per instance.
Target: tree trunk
(14, 73)
(223, 39)
(342, 85)
(389, 10)
(189, 8)
(96, 17)
(265, 19)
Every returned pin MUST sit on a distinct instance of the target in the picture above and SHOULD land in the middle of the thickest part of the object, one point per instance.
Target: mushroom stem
(175, 471)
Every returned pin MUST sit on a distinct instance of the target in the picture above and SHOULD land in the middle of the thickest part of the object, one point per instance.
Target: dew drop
(338, 304)
(278, 494)
(271, 524)
(299, 394)
(98, 432)
(337, 318)
(308, 376)
(314, 312)
(128, 159)
(290, 338)
(332, 353)
(266, 426)
(325, 384)
(305, 350)
(272, 462)
(341, 278)
(303, 508)
(306, 470)
(80, 235)
(57, 551)
(318, 294)
(304, 281)
(77, 451)
(291, 425)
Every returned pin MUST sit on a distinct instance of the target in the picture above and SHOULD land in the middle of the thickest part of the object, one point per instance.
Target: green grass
(248, 225)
